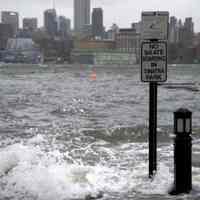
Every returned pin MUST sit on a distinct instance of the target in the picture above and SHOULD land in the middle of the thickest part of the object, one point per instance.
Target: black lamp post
(182, 122)
(182, 152)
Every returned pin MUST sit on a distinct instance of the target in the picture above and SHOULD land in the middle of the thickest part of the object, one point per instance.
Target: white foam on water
(37, 139)
(160, 184)
(14, 154)
(138, 177)
(8, 161)
(26, 169)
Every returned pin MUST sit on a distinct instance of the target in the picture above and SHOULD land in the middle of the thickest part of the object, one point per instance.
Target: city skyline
(180, 9)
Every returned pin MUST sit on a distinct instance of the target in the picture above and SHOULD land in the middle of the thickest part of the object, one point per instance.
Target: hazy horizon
(120, 12)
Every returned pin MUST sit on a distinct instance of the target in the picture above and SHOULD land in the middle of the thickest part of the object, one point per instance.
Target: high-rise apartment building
(81, 14)
(189, 25)
(186, 32)
(64, 26)
(50, 22)
(30, 24)
(12, 18)
(189, 31)
(97, 22)
(173, 30)
(6, 32)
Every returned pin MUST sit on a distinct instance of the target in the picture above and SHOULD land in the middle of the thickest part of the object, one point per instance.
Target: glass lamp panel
(180, 126)
(188, 125)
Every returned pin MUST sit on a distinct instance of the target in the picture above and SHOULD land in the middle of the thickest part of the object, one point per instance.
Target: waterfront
(65, 135)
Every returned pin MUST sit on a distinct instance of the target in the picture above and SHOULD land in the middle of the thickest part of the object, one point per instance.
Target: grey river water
(67, 134)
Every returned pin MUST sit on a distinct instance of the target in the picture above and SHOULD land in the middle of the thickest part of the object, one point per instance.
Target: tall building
(64, 26)
(30, 24)
(12, 18)
(189, 27)
(6, 32)
(81, 14)
(186, 32)
(173, 30)
(97, 22)
(50, 22)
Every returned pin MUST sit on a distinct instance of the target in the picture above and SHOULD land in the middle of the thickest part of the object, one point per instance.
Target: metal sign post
(152, 128)
(154, 70)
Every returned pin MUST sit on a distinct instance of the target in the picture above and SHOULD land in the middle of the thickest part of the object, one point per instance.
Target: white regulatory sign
(155, 25)
(154, 62)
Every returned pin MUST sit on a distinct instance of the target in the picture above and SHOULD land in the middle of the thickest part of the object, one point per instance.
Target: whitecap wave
(26, 168)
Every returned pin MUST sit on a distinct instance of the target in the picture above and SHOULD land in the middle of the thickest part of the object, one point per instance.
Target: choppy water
(65, 135)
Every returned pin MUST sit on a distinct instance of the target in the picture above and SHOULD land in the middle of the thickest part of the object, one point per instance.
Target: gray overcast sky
(122, 12)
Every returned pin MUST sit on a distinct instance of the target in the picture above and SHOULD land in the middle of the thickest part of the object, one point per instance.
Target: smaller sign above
(155, 25)
(154, 62)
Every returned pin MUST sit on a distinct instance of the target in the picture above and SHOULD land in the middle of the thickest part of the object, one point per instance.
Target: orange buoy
(93, 76)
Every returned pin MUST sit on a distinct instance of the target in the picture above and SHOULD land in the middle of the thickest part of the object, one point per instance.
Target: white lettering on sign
(154, 62)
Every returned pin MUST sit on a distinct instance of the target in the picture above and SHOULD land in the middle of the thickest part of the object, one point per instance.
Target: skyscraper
(97, 22)
(189, 25)
(189, 31)
(50, 22)
(186, 32)
(6, 32)
(64, 26)
(30, 24)
(173, 30)
(12, 18)
(81, 14)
